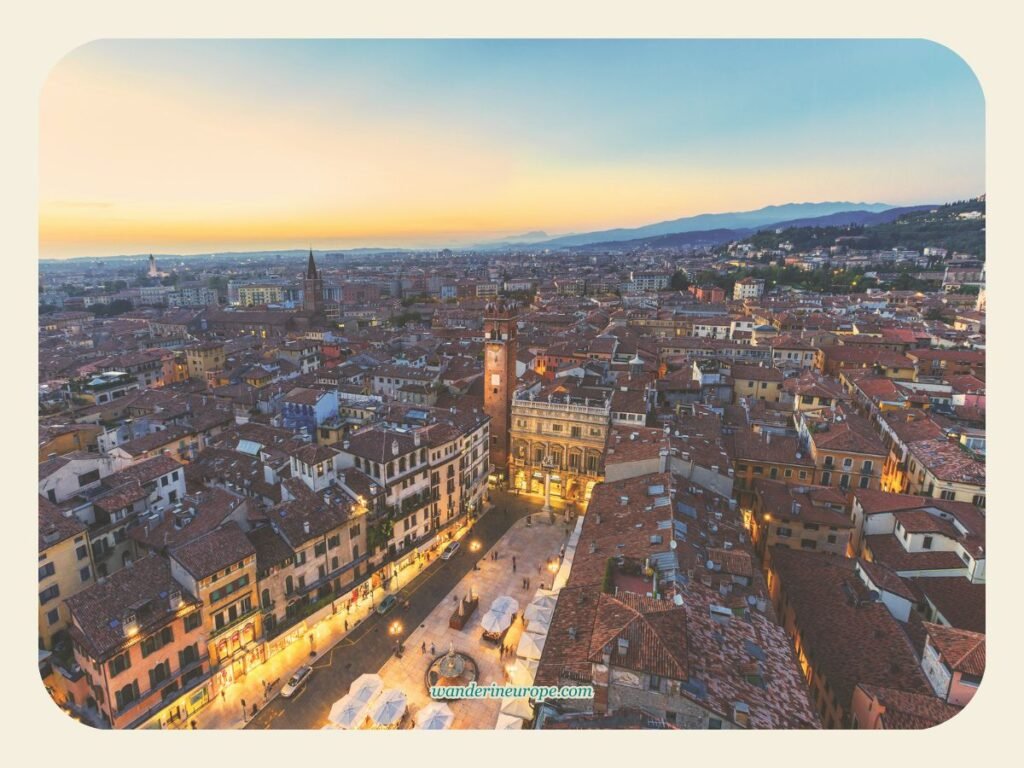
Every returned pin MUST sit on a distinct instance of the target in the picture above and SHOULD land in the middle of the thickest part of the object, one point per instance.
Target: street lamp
(395, 630)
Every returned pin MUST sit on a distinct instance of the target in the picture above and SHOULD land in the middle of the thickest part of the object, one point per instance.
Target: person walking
(223, 696)
(423, 648)
(193, 725)
(432, 651)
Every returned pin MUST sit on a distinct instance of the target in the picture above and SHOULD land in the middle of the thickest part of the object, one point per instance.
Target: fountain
(452, 668)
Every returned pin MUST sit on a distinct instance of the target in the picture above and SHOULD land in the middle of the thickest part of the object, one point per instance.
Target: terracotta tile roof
(959, 601)
(304, 396)
(886, 579)
(213, 551)
(909, 711)
(203, 510)
(648, 444)
(766, 449)
(54, 527)
(654, 632)
(850, 643)
(879, 502)
(271, 549)
(961, 650)
(154, 440)
(886, 549)
(312, 454)
(755, 373)
(948, 461)
(142, 589)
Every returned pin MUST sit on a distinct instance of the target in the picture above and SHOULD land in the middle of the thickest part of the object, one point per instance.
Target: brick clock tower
(499, 378)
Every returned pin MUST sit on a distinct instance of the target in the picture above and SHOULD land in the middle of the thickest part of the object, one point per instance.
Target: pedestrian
(513, 562)
(254, 710)
(223, 696)
(346, 625)
(432, 651)
(423, 648)
(193, 725)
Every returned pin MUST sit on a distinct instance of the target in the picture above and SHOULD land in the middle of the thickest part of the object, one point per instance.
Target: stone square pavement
(532, 546)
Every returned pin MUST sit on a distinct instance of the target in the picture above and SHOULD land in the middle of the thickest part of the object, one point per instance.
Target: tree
(218, 283)
(679, 281)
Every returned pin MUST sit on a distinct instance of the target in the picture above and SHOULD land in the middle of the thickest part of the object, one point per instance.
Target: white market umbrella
(365, 687)
(530, 646)
(389, 707)
(505, 604)
(534, 613)
(519, 707)
(436, 716)
(347, 712)
(508, 723)
(496, 623)
(523, 671)
(539, 626)
(543, 601)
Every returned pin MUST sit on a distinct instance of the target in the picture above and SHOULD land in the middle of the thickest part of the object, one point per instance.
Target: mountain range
(718, 236)
(756, 219)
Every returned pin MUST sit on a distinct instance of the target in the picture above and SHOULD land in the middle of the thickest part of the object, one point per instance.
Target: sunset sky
(205, 146)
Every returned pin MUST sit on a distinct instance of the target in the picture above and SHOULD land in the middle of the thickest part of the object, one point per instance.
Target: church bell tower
(312, 288)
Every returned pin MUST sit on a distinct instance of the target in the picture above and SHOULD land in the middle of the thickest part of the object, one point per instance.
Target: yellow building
(756, 382)
(559, 436)
(258, 295)
(204, 358)
(65, 569)
(219, 568)
(846, 451)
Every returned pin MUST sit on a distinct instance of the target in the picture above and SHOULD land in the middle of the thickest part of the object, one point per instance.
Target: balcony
(238, 620)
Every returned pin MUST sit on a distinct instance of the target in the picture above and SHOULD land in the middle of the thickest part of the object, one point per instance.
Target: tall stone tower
(500, 320)
(312, 288)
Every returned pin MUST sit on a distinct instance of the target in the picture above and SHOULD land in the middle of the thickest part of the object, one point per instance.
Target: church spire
(311, 267)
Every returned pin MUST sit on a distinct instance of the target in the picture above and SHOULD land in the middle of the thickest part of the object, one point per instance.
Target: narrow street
(367, 647)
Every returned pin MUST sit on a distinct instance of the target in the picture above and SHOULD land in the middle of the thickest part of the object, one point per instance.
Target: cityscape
(519, 431)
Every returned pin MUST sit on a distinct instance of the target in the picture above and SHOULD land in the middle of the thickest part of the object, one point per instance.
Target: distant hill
(713, 237)
(528, 238)
(938, 226)
(759, 218)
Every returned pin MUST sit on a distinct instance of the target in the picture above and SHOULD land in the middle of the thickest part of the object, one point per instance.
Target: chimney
(305, 527)
(663, 457)
(175, 599)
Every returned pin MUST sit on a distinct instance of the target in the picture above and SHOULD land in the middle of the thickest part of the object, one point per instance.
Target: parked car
(386, 604)
(299, 679)
(450, 550)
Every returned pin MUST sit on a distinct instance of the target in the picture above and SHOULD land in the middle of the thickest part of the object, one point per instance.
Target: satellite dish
(710, 565)
(672, 544)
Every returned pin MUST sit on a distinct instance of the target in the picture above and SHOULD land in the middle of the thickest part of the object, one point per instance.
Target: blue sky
(621, 132)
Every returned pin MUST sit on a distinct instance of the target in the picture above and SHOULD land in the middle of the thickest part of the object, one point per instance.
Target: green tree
(679, 281)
